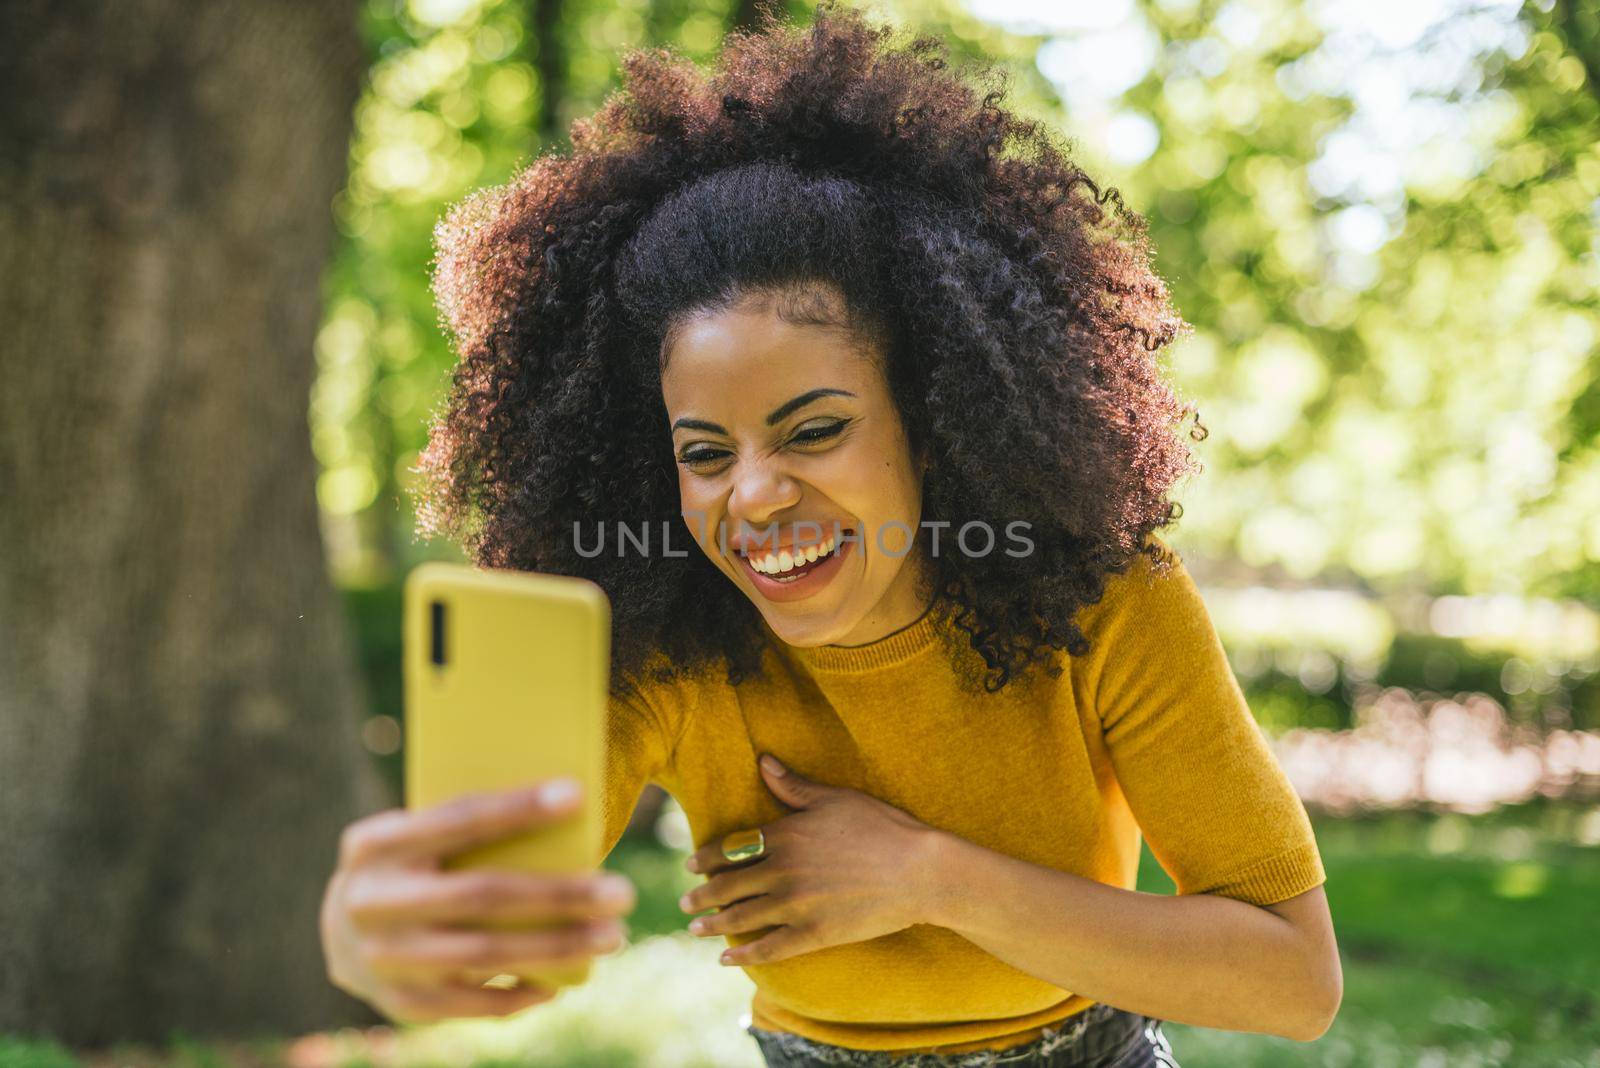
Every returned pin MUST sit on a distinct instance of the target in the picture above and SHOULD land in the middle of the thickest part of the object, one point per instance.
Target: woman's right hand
(392, 917)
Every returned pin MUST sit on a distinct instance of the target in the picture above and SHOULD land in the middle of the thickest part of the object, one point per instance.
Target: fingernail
(683, 902)
(615, 890)
(559, 791)
(602, 936)
(693, 864)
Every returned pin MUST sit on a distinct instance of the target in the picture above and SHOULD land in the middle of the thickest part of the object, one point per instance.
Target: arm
(1196, 959)
(1246, 943)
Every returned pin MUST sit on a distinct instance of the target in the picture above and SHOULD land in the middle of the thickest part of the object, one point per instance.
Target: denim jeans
(1098, 1037)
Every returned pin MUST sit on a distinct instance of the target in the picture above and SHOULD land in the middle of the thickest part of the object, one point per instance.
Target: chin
(796, 629)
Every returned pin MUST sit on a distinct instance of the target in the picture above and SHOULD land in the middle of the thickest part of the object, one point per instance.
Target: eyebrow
(788, 407)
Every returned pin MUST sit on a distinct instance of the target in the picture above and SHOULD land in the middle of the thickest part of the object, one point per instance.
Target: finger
(795, 790)
(432, 954)
(727, 887)
(749, 915)
(709, 858)
(787, 941)
(415, 897)
(400, 835)
(458, 998)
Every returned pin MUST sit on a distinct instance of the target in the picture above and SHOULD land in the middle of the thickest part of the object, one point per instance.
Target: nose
(761, 489)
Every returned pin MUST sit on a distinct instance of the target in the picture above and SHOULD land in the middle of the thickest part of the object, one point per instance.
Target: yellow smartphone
(506, 683)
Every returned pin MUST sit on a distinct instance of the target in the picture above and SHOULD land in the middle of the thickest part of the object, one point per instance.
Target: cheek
(899, 509)
(888, 486)
(698, 518)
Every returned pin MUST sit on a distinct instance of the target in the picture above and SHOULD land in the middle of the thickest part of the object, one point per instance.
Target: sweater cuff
(1275, 879)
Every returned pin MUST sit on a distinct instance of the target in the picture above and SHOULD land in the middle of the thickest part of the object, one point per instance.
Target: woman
(876, 347)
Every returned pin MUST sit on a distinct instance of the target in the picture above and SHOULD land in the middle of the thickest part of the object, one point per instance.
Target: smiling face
(784, 434)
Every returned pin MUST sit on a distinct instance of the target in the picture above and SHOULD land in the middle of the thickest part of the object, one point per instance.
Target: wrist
(936, 888)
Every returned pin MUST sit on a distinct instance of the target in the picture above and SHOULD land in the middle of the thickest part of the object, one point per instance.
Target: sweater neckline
(893, 648)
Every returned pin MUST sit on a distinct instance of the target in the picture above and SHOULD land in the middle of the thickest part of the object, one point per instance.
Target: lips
(797, 583)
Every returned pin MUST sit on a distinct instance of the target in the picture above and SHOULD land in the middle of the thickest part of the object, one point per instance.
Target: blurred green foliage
(1394, 345)
(1394, 363)
(1393, 349)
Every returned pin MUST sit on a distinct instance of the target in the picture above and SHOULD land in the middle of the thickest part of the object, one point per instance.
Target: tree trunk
(178, 699)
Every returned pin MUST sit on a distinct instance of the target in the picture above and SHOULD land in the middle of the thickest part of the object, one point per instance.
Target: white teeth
(777, 564)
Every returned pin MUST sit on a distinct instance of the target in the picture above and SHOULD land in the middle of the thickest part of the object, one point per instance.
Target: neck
(900, 606)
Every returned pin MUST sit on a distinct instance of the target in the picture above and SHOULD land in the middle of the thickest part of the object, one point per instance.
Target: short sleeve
(1217, 809)
(638, 748)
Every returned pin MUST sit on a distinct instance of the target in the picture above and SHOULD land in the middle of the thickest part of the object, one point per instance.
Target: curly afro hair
(1014, 313)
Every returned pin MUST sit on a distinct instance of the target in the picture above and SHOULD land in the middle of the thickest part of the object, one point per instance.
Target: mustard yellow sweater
(1148, 732)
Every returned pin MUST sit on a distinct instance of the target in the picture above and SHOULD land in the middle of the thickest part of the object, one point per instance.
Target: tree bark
(179, 704)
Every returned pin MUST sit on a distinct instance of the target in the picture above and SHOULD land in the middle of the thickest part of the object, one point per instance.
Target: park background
(222, 352)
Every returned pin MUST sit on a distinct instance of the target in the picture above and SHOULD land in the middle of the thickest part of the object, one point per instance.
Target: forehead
(750, 359)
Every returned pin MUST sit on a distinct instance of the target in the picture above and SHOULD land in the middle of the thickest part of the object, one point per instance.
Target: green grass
(1465, 942)
(18, 1053)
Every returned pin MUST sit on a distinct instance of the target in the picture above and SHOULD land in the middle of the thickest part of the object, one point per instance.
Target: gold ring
(742, 845)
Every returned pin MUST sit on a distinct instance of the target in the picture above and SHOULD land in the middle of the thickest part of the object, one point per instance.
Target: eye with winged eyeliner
(807, 436)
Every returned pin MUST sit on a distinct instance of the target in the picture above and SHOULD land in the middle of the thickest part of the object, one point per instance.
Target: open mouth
(789, 566)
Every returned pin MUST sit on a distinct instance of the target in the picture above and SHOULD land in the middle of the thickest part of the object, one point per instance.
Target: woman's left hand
(844, 867)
